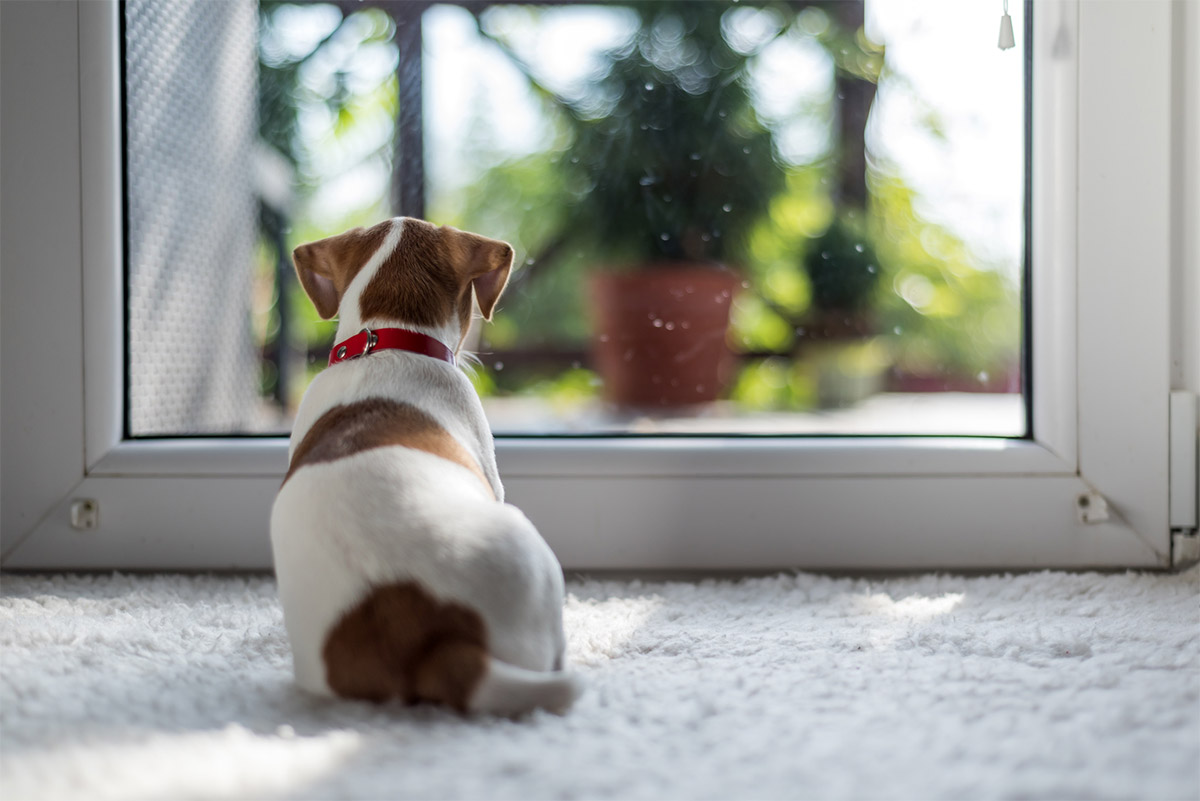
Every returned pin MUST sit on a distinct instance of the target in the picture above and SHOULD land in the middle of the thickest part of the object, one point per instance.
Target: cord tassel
(1007, 39)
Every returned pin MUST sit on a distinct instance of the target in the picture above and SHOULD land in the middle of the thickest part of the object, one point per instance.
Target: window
(729, 218)
(1099, 407)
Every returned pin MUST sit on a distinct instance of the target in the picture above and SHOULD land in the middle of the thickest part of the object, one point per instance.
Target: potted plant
(839, 332)
(672, 167)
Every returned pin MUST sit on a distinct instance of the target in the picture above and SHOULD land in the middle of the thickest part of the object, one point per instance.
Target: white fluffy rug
(1035, 686)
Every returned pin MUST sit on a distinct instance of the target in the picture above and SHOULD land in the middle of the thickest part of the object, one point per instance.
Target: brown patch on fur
(376, 423)
(326, 267)
(429, 278)
(400, 642)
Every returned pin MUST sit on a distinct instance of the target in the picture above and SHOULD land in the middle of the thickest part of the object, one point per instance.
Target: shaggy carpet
(1046, 685)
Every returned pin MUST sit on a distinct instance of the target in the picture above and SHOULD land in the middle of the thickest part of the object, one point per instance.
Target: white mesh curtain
(191, 71)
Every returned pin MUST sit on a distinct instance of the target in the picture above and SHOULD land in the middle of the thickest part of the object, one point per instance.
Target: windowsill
(930, 444)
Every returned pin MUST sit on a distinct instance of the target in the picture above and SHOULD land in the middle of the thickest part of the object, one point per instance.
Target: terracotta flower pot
(659, 334)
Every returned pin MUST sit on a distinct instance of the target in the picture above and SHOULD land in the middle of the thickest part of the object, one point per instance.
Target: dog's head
(404, 271)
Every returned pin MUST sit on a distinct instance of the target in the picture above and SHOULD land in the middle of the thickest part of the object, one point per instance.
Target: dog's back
(401, 573)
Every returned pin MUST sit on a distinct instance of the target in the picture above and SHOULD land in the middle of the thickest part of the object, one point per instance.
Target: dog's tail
(510, 690)
(397, 643)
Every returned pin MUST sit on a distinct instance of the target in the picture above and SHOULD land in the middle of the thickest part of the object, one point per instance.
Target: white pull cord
(1006, 30)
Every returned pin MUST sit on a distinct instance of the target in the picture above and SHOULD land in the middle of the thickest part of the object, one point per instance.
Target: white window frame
(1104, 107)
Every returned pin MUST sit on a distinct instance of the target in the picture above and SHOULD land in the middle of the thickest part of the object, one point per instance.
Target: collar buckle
(372, 341)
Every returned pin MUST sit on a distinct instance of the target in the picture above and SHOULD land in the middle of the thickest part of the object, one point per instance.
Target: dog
(402, 573)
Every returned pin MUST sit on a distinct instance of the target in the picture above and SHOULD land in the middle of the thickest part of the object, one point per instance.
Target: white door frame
(1104, 275)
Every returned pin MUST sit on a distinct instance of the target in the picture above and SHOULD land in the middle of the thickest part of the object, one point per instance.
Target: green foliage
(568, 389)
(842, 267)
(521, 201)
(775, 383)
(483, 381)
(756, 326)
(939, 310)
(948, 313)
(295, 76)
(666, 158)
(661, 157)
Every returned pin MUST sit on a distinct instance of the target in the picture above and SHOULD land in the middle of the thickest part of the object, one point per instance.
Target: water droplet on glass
(745, 285)
(825, 255)
(746, 150)
(728, 207)
(897, 330)
(858, 247)
(983, 376)
(649, 86)
(670, 326)
(664, 237)
(646, 180)
(871, 269)
(658, 323)
(705, 237)
(498, 366)
(799, 330)
(695, 157)
(574, 159)
(685, 325)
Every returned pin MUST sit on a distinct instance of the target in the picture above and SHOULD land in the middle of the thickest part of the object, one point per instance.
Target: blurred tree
(666, 157)
(668, 141)
(314, 105)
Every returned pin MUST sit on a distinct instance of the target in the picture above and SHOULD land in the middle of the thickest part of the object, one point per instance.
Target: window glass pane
(729, 217)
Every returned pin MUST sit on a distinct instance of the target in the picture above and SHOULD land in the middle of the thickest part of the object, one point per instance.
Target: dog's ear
(485, 263)
(326, 267)
(315, 271)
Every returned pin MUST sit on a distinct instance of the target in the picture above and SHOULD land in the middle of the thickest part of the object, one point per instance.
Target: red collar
(368, 341)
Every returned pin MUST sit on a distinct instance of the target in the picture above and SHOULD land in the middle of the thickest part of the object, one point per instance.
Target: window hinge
(1185, 548)
(1183, 434)
(85, 513)
(1185, 542)
(1092, 508)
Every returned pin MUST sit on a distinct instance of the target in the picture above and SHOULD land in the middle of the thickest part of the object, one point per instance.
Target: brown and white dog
(402, 573)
